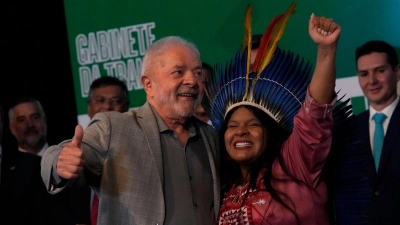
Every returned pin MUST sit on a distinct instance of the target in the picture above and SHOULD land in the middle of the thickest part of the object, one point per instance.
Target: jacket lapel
(213, 157)
(391, 139)
(149, 126)
(363, 123)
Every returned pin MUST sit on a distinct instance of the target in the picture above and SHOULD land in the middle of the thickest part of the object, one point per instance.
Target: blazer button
(376, 193)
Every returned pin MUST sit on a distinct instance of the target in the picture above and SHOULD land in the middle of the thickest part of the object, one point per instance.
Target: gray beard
(189, 106)
(35, 141)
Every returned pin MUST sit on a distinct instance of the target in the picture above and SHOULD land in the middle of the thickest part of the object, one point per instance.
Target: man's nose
(193, 79)
(30, 123)
(372, 78)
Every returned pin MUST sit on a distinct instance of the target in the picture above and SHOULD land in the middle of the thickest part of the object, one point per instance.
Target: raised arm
(325, 33)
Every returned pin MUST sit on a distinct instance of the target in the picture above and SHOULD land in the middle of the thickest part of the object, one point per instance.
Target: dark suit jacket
(385, 202)
(24, 194)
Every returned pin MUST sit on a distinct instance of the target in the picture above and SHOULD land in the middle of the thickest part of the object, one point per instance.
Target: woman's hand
(323, 31)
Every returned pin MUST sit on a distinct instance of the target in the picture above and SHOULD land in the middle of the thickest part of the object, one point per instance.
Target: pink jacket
(304, 154)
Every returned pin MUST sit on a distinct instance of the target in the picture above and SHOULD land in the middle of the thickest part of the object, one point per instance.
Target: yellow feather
(276, 36)
(247, 41)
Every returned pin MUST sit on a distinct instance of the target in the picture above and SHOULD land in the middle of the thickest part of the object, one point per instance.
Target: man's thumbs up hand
(71, 159)
(77, 139)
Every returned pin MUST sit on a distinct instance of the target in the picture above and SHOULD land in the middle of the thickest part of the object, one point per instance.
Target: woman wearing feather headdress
(275, 127)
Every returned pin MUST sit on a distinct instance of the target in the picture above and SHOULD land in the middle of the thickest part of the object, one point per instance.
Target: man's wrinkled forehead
(170, 56)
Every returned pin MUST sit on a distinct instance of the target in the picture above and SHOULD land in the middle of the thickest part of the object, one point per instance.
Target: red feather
(264, 42)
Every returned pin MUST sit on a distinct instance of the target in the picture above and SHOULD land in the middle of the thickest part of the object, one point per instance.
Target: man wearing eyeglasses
(105, 94)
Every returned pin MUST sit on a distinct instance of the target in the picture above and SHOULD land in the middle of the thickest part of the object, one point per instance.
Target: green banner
(109, 38)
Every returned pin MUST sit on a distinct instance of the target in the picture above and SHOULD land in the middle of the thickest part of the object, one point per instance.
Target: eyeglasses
(112, 101)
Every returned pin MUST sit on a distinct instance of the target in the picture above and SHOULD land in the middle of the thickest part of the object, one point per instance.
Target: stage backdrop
(109, 38)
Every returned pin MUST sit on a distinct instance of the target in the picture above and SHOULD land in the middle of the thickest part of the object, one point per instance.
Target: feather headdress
(276, 83)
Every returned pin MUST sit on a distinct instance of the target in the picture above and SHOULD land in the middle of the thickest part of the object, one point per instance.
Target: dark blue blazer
(24, 199)
(385, 197)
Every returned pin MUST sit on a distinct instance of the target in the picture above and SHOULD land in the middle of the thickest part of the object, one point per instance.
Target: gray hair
(25, 100)
(161, 46)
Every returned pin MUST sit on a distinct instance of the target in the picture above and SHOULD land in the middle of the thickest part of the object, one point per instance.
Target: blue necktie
(379, 135)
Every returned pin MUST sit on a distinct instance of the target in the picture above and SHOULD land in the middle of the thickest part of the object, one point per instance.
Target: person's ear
(397, 71)
(12, 129)
(147, 84)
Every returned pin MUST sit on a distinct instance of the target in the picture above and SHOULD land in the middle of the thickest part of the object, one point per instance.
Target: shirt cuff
(317, 110)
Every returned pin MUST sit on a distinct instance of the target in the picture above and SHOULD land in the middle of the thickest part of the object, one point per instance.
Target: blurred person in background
(22, 185)
(200, 113)
(107, 94)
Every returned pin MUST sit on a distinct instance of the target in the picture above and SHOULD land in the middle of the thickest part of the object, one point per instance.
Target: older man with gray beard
(26, 200)
(157, 164)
